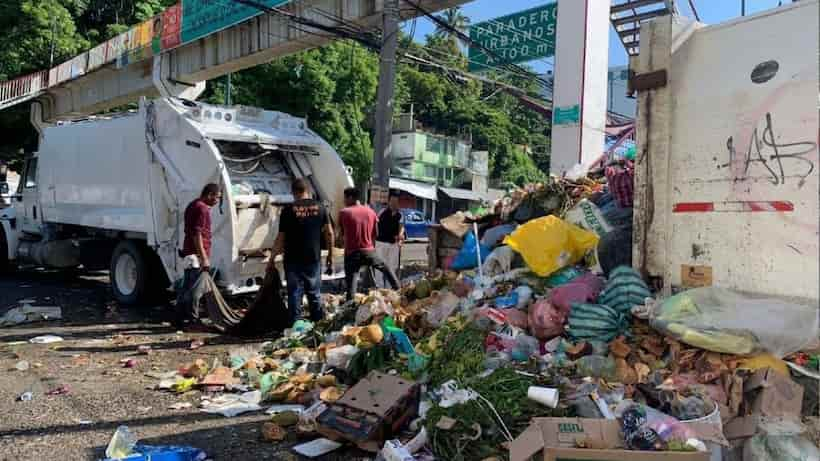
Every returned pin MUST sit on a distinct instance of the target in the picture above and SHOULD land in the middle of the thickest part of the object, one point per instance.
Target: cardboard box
(768, 393)
(558, 439)
(372, 411)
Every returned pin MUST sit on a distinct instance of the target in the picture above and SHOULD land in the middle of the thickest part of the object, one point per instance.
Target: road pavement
(102, 394)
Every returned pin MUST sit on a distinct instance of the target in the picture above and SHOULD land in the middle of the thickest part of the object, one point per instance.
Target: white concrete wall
(736, 144)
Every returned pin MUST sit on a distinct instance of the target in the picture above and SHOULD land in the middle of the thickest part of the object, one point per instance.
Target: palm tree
(454, 18)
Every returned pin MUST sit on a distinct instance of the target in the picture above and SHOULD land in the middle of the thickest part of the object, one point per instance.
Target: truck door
(28, 200)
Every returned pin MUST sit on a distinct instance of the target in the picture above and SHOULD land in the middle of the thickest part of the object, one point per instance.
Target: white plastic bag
(724, 321)
(498, 262)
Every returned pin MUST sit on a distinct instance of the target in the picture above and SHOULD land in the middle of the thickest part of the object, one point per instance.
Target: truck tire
(130, 273)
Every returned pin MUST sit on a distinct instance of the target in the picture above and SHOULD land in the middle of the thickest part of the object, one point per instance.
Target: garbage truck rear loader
(110, 192)
(727, 153)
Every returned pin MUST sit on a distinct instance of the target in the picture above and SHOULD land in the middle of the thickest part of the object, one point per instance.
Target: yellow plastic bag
(549, 244)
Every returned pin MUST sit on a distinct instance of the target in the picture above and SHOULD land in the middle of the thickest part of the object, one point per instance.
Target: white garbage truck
(110, 192)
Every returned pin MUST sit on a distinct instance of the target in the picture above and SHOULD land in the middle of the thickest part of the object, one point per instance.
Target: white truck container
(110, 192)
(727, 153)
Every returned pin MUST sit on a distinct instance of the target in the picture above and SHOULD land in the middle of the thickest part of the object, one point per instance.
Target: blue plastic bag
(467, 257)
(164, 453)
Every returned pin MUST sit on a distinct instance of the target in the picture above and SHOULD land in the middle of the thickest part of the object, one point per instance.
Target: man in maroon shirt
(358, 225)
(196, 248)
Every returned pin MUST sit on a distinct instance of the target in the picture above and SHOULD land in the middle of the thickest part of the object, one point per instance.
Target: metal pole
(53, 32)
(384, 104)
(228, 91)
(743, 7)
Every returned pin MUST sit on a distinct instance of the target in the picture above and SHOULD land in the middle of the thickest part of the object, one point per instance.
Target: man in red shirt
(358, 225)
(196, 248)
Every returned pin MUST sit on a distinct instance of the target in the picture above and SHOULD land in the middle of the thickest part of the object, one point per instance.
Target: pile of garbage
(534, 337)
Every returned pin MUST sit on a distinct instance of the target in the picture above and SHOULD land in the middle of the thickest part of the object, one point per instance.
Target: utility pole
(53, 32)
(384, 103)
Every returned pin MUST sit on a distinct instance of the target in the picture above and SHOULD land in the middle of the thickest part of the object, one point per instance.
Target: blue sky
(710, 11)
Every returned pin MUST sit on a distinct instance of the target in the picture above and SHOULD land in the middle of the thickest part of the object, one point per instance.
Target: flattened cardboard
(377, 393)
(769, 393)
(570, 454)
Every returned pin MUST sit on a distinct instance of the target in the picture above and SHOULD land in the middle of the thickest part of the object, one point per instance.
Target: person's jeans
(355, 260)
(304, 279)
(185, 308)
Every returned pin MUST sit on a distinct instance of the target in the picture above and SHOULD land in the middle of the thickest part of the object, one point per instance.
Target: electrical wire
(466, 39)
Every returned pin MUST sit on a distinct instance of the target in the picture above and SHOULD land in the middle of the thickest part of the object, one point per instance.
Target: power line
(465, 38)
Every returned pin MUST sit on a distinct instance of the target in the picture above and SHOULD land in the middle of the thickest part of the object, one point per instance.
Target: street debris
(124, 445)
(28, 314)
(45, 339)
(26, 397)
(62, 389)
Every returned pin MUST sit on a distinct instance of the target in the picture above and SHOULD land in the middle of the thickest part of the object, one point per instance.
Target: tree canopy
(334, 86)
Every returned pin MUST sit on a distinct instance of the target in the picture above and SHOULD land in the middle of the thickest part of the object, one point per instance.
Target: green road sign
(519, 37)
(566, 115)
(204, 17)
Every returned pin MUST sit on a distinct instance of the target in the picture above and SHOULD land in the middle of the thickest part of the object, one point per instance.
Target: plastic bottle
(596, 366)
(121, 444)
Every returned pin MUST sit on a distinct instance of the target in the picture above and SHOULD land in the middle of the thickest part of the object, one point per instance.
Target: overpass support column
(579, 93)
(169, 88)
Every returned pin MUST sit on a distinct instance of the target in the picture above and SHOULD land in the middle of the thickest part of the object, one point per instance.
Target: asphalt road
(102, 394)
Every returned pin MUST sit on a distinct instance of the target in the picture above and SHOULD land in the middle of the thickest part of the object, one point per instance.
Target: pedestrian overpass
(198, 40)
(145, 61)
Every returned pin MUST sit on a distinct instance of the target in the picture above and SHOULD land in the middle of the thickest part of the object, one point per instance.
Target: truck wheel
(129, 273)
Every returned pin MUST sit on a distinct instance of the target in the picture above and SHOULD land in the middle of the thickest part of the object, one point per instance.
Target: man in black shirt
(300, 235)
(389, 238)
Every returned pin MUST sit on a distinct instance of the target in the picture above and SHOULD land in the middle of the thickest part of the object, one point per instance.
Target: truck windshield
(254, 169)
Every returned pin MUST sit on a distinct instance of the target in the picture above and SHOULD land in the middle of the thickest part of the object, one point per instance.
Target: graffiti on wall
(769, 155)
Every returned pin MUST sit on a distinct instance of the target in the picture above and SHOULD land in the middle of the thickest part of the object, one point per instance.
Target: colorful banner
(171, 24)
(204, 17)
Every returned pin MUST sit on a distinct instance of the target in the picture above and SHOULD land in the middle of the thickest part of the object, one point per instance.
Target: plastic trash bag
(496, 234)
(498, 262)
(723, 321)
(467, 258)
(780, 440)
(548, 244)
(546, 321)
(580, 290)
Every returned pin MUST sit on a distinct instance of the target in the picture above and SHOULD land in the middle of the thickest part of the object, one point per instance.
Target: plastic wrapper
(780, 440)
(564, 275)
(709, 318)
(548, 244)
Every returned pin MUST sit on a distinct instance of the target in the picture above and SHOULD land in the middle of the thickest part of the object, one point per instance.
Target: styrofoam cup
(544, 395)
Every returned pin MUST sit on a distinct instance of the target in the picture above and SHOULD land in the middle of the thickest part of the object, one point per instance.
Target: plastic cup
(547, 396)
